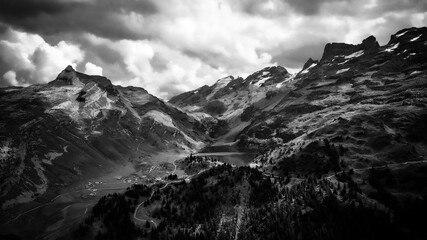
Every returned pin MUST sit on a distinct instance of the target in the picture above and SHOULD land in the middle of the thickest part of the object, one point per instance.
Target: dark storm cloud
(296, 57)
(97, 51)
(170, 90)
(99, 17)
(158, 63)
(3, 28)
(331, 7)
(368, 10)
(391, 25)
(401, 5)
(308, 7)
(18, 9)
(305, 7)
(210, 58)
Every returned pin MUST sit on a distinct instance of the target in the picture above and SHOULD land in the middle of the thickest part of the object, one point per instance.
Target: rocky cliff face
(368, 101)
(309, 63)
(370, 44)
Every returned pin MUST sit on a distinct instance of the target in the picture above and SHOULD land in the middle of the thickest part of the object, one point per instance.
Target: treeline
(312, 209)
(318, 157)
(193, 164)
(317, 209)
(408, 211)
(111, 217)
(226, 202)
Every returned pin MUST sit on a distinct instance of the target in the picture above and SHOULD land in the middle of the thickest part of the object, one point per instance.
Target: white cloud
(10, 78)
(38, 61)
(219, 36)
(92, 69)
(50, 60)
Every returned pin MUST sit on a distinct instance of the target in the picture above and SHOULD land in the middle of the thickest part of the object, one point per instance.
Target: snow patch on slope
(341, 63)
(264, 77)
(218, 85)
(401, 34)
(354, 55)
(343, 70)
(415, 72)
(391, 49)
(288, 79)
(261, 81)
(308, 69)
(415, 38)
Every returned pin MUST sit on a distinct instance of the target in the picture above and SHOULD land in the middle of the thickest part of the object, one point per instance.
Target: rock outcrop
(336, 49)
(309, 62)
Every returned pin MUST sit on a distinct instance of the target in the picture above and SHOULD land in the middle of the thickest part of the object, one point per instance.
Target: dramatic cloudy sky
(171, 46)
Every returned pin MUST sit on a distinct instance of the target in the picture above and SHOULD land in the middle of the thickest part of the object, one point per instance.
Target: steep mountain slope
(368, 100)
(241, 203)
(365, 103)
(81, 126)
(232, 100)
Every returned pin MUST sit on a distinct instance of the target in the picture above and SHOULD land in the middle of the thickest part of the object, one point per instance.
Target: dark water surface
(228, 154)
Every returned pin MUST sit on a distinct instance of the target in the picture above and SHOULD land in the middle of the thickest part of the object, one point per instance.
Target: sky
(172, 46)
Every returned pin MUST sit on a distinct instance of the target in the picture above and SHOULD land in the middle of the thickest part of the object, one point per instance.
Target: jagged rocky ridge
(367, 99)
(370, 100)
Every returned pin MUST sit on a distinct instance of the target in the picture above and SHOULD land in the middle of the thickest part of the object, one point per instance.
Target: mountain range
(368, 99)
(358, 108)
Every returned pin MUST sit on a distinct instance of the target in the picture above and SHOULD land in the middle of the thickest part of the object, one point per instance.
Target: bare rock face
(370, 44)
(337, 49)
(309, 62)
(334, 49)
(68, 76)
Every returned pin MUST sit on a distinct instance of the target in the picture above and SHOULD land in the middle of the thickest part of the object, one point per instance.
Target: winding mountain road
(173, 172)
(139, 205)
